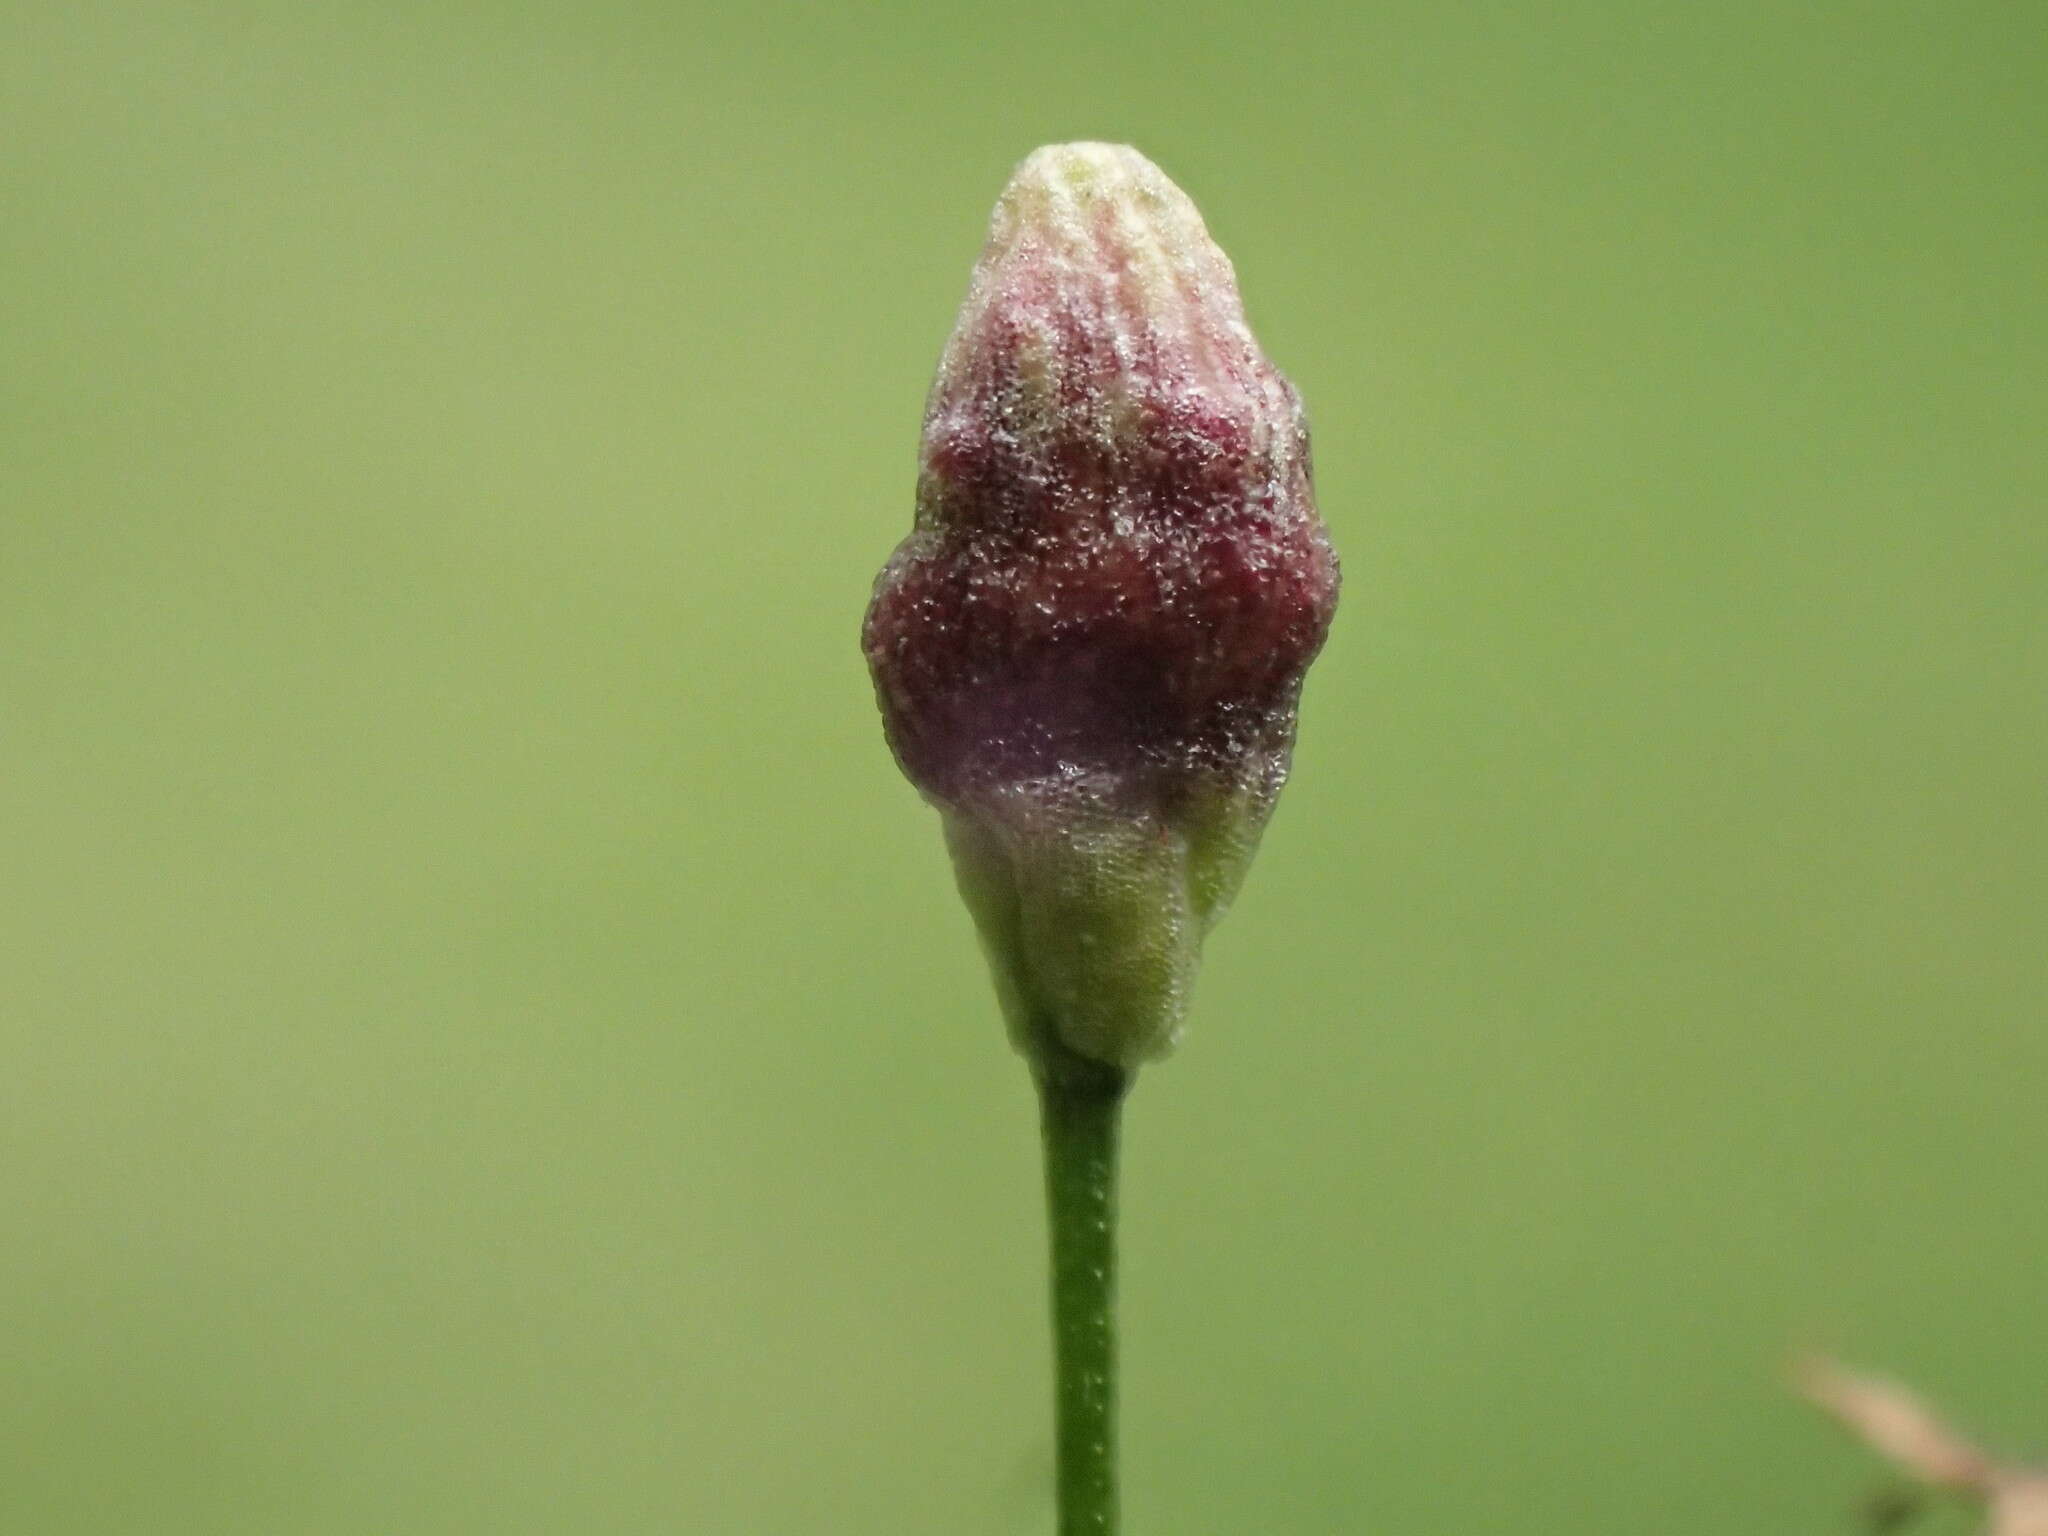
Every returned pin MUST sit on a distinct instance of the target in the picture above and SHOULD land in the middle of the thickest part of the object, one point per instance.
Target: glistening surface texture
(490, 1043)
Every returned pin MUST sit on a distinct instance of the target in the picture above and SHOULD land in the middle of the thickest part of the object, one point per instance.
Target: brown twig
(1900, 1427)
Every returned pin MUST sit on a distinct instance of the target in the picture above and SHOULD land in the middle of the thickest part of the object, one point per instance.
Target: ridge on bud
(1089, 650)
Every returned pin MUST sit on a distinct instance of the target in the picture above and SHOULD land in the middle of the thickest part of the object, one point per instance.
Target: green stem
(1082, 1102)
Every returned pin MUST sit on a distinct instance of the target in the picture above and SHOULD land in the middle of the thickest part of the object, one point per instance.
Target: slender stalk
(1082, 1103)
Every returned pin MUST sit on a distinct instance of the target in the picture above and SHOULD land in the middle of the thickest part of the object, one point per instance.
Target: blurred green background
(487, 1040)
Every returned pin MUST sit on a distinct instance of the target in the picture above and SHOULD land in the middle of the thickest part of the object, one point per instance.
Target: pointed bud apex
(1089, 649)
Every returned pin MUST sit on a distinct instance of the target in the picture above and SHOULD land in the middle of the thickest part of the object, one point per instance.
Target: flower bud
(1089, 649)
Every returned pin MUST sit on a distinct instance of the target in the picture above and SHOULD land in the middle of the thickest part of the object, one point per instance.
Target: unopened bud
(1089, 650)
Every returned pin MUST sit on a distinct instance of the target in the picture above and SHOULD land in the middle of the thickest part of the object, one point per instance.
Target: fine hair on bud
(1089, 650)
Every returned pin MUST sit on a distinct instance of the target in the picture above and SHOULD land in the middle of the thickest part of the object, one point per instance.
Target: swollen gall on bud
(1089, 650)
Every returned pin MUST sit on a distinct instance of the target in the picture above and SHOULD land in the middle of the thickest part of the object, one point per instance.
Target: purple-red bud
(1089, 649)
